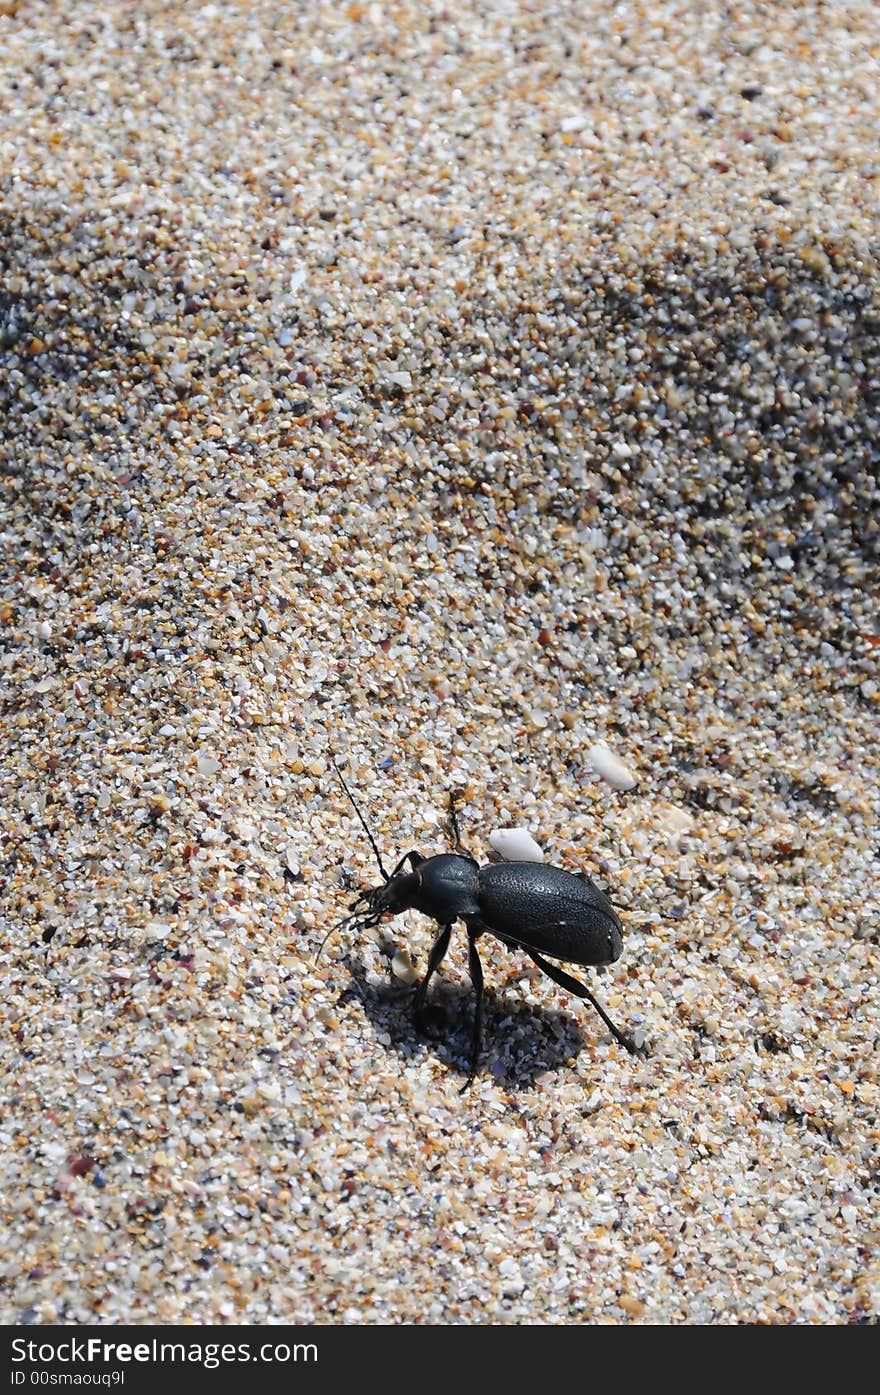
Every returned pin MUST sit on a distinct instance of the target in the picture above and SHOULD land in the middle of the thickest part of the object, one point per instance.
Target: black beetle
(532, 906)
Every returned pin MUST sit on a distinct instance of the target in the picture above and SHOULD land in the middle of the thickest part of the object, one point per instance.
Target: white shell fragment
(606, 764)
(516, 845)
(403, 967)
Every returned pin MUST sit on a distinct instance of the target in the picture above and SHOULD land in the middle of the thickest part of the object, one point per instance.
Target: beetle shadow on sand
(520, 1040)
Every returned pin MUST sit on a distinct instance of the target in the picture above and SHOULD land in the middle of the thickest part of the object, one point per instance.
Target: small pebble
(634, 1306)
(403, 967)
(610, 767)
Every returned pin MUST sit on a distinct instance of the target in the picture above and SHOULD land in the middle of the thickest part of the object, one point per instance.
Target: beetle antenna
(346, 920)
(362, 919)
(364, 824)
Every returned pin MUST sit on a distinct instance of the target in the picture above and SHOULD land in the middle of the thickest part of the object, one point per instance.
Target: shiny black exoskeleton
(532, 906)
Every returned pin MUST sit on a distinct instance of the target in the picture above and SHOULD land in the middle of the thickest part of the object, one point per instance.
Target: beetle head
(368, 908)
(392, 897)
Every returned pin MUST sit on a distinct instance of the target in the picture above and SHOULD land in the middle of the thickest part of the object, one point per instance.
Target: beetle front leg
(575, 986)
(476, 971)
(456, 831)
(413, 858)
(438, 950)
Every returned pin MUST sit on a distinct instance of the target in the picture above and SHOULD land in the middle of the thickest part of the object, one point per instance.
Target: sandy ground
(442, 390)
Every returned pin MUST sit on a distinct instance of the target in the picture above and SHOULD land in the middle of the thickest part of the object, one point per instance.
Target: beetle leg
(413, 858)
(476, 970)
(574, 986)
(456, 832)
(438, 949)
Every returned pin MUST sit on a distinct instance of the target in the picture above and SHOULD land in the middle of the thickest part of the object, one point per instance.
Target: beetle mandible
(533, 906)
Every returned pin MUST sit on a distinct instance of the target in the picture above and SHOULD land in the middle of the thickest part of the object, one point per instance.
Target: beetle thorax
(442, 887)
(397, 894)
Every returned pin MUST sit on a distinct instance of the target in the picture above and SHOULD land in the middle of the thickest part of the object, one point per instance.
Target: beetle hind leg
(575, 986)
